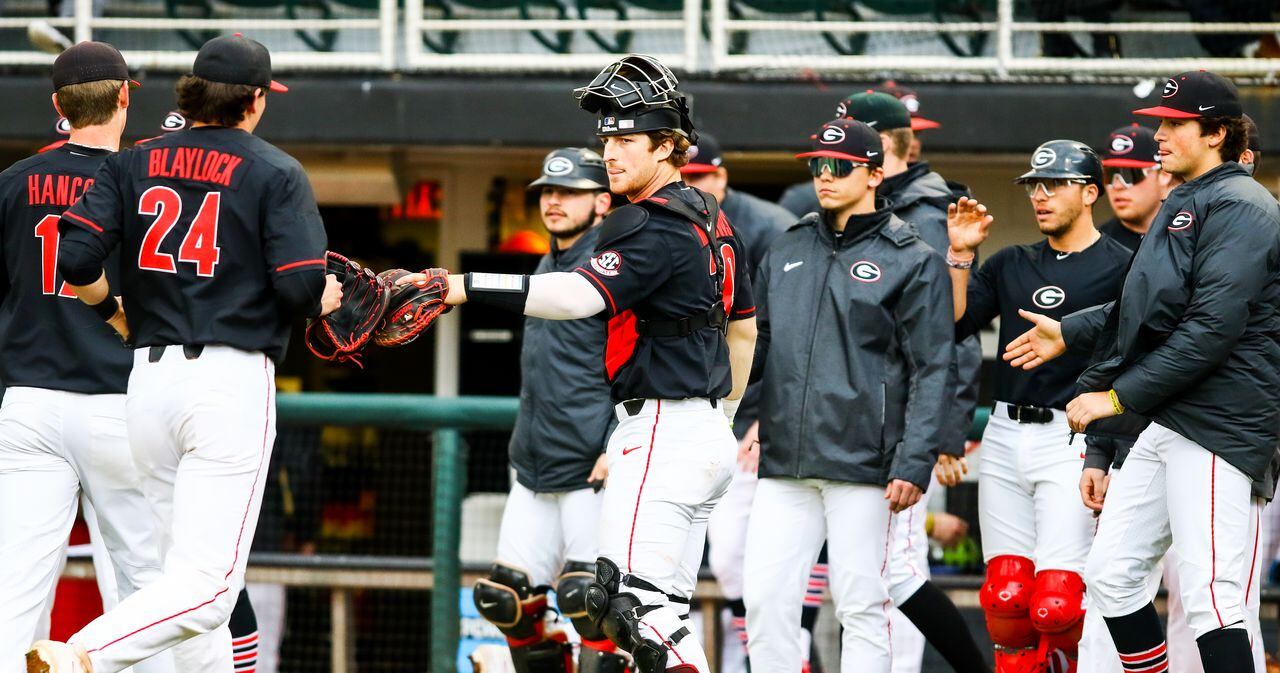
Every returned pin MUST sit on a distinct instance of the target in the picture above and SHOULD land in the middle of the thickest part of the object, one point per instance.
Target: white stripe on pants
(668, 467)
(1173, 491)
(790, 518)
(202, 432)
(541, 531)
(53, 444)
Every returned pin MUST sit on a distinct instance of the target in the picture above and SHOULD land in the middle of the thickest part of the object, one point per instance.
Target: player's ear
(1090, 194)
(123, 98)
(57, 108)
(875, 176)
(603, 201)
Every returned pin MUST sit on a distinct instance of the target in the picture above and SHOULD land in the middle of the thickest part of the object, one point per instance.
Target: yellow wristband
(1115, 402)
(928, 524)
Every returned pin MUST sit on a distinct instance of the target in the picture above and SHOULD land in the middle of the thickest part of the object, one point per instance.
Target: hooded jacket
(857, 390)
(1196, 323)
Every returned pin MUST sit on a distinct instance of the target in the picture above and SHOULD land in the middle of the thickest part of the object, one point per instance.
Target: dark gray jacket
(856, 390)
(920, 196)
(1197, 320)
(565, 411)
(756, 223)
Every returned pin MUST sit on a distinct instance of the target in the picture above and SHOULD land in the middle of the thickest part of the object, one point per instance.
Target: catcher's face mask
(636, 94)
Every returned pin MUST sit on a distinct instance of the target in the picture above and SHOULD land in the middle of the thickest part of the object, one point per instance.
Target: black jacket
(1197, 321)
(920, 197)
(857, 389)
(565, 411)
(757, 223)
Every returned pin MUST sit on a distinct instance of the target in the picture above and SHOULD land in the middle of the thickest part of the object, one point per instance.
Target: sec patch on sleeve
(607, 263)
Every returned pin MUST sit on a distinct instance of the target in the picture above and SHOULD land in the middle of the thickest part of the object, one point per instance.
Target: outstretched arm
(968, 225)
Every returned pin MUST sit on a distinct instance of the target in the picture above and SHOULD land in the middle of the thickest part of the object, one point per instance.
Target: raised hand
(968, 225)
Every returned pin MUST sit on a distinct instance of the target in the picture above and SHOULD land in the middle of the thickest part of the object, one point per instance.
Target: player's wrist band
(107, 308)
(1115, 402)
(956, 262)
(504, 290)
(928, 524)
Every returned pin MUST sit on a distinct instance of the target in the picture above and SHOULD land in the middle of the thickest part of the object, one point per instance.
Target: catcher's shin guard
(1057, 612)
(571, 598)
(1006, 601)
(618, 616)
(507, 600)
(592, 660)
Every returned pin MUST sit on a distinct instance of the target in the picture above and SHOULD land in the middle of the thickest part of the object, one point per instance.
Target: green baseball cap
(880, 111)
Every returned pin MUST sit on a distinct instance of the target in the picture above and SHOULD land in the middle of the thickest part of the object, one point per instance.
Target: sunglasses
(838, 168)
(1128, 177)
(1050, 187)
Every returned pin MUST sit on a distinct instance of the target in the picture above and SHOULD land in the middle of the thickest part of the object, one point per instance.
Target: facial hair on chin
(572, 231)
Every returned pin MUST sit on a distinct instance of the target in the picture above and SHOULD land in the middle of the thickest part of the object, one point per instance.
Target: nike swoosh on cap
(1207, 107)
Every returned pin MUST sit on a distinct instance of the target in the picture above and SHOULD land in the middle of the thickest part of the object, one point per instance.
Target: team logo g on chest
(1182, 220)
(607, 263)
(865, 272)
(1049, 296)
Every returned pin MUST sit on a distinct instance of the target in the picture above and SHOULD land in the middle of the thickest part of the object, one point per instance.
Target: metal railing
(569, 35)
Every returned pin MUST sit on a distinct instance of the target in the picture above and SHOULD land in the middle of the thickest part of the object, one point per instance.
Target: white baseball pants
(1174, 492)
(202, 432)
(669, 464)
(541, 531)
(908, 571)
(53, 445)
(790, 519)
(1029, 493)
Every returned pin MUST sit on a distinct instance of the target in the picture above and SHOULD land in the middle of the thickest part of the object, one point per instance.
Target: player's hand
(1038, 345)
(901, 495)
(749, 449)
(331, 298)
(1093, 487)
(120, 323)
(950, 470)
(599, 473)
(1087, 408)
(457, 293)
(948, 528)
(968, 225)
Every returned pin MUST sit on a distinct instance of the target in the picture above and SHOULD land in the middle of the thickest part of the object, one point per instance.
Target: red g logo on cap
(1182, 220)
(1121, 144)
(831, 135)
(1170, 88)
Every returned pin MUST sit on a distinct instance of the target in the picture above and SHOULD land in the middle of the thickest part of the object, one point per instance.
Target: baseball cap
(847, 139)
(573, 168)
(1255, 138)
(90, 62)
(1132, 146)
(880, 111)
(912, 102)
(705, 157)
(1196, 94)
(62, 128)
(235, 59)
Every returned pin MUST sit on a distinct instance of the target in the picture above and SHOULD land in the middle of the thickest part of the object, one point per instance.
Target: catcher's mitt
(414, 306)
(341, 335)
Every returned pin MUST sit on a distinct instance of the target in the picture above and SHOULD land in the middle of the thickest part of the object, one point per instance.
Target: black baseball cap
(1132, 146)
(235, 59)
(1255, 138)
(573, 168)
(847, 139)
(62, 131)
(1196, 94)
(878, 110)
(705, 157)
(912, 101)
(90, 62)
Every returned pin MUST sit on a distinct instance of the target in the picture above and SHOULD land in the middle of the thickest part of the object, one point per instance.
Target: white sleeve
(562, 296)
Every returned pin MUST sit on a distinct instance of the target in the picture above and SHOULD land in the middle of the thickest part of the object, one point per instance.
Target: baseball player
(62, 424)
(671, 278)
(1130, 164)
(1191, 335)
(221, 243)
(552, 516)
(853, 402)
(757, 223)
(1035, 532)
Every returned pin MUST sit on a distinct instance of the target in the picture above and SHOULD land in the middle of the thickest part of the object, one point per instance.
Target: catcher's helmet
(574, 168)
(635, 94)
(1064, 160)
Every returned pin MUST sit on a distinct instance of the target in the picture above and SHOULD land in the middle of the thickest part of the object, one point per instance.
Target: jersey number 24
(199, 245)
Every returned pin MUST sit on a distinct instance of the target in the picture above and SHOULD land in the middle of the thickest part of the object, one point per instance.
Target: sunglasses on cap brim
(838, 168)
(1050, 186)
(1128, 176)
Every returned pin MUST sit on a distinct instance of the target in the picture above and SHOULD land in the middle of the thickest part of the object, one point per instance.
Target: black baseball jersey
(1122, 234)
(1039, 279)
(49, 338)
(207, 220)
(664, 270)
